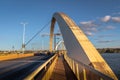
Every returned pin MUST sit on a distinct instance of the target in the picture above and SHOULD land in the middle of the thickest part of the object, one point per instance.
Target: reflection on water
(114, 62)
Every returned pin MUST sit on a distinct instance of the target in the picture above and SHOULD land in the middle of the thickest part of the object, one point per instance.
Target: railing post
(84, 74)
(83, 71)
(77, 72)
(71, 63)
(45, 67)
(73, 66)
(50, 70)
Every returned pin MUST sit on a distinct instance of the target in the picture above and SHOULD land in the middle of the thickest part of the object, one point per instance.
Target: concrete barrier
(15, 56)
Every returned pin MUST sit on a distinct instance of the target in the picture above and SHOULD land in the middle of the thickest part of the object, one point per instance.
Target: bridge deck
(62, 71)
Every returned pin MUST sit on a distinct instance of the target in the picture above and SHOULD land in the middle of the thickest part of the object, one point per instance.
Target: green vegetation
(100, 50)
(109, 50)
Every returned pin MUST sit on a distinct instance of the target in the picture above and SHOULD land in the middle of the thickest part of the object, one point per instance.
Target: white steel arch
(61, 41)
(78, 45)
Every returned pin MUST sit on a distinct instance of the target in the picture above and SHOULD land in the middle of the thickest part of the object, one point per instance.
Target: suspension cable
(37, 33)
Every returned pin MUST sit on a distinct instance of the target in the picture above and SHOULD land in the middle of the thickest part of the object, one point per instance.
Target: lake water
(114, 62)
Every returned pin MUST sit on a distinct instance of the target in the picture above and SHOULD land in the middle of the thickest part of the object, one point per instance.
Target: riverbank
(108, 50)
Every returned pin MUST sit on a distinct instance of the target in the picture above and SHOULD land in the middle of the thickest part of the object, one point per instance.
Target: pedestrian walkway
(62, 71)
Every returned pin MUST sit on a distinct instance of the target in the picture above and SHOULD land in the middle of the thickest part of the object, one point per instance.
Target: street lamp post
(43, 42)
(23, 44)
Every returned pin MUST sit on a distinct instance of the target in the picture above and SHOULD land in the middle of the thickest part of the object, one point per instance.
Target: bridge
(80, 61)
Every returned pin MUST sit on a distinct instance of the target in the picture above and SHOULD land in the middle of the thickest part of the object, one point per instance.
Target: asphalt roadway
(18, 69)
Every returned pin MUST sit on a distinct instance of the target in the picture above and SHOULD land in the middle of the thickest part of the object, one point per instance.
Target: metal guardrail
(34, 73)
(85, 72)
(15, 56)
(49, 71)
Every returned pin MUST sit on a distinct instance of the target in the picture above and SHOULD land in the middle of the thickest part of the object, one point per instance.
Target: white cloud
(106, 18)
(93, 29)
(107, 35)
(89, 27)
(108, 41)
(88, 24)
(116, 13)
(116, 19)
(88, 33)
(110, 27)
(106, 28)
(105, 41)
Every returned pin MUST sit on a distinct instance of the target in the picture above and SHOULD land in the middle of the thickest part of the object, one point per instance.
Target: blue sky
(99, 19)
